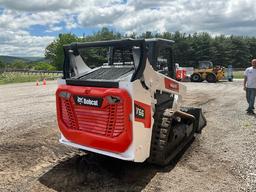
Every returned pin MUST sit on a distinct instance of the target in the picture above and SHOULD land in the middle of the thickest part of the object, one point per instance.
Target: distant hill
(37, 59)
(11, 59)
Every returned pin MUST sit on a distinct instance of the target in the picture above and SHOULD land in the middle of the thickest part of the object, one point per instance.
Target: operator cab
(160, 55)
(205, 64)
(105, 63)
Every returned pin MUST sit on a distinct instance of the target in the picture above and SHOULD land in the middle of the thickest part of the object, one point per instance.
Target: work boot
(250, 112)
(248, 109)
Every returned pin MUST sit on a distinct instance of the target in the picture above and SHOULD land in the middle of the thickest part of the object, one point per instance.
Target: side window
(122, 56)
(94, 56)
(164, 61)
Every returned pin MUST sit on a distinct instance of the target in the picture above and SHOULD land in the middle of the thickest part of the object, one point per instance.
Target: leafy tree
(201, 44)
(182, 48)
(238, 52)
(103, 34)
(132, 35)
(18, 64)
(96, 56)
(54, 52)
(2, 66)
(44, 66)
(251, 42)
(148, 35)
(188, 48)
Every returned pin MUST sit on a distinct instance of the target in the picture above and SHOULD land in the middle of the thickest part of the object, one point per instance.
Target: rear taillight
(65, 95)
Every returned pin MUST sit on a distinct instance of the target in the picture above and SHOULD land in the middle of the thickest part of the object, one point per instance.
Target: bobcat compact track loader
(112, 101)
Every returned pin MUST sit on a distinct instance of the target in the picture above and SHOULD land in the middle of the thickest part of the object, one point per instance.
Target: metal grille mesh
(111, 73)
(107, 122)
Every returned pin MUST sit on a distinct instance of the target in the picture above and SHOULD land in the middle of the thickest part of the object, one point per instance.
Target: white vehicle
(123, 107)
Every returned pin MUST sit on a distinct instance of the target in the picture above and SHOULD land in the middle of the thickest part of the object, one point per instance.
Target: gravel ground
(222, 158)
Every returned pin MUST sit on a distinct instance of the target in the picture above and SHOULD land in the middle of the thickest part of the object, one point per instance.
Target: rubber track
(159, 141)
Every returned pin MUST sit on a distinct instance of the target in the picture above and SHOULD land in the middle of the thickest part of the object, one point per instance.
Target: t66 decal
(142, 113)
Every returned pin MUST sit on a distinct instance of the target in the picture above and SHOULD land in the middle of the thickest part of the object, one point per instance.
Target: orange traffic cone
(37, 83)
(44, 82)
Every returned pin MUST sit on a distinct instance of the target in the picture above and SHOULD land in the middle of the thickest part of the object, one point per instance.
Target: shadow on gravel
(99, 173)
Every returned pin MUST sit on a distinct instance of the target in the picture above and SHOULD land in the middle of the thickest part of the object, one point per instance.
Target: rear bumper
(127, 156)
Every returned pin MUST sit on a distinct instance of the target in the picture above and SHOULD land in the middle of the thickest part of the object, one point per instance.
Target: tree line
(223, 50)
(188, 48)
(19, 64)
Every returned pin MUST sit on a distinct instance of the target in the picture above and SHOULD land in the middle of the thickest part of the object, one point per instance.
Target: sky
(28, 26)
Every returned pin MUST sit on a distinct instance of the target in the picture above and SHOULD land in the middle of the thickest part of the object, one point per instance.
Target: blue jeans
(250, 96)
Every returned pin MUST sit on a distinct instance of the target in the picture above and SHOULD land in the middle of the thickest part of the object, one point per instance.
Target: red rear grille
(95, 117)
(67, 114)
(107, 121)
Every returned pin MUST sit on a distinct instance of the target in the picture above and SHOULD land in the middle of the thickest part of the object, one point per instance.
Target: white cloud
(21, 43)
(98, 16)
(214, 16)
(53, 28)
(12, 19)
(37, 5)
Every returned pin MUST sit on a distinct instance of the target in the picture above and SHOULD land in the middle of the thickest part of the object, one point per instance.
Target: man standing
(250, 86)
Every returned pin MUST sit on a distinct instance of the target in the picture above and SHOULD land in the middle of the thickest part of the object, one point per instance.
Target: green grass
(16, 77)
(238, 74)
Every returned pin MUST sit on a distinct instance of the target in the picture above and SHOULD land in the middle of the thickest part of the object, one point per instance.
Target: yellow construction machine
(211, 74)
